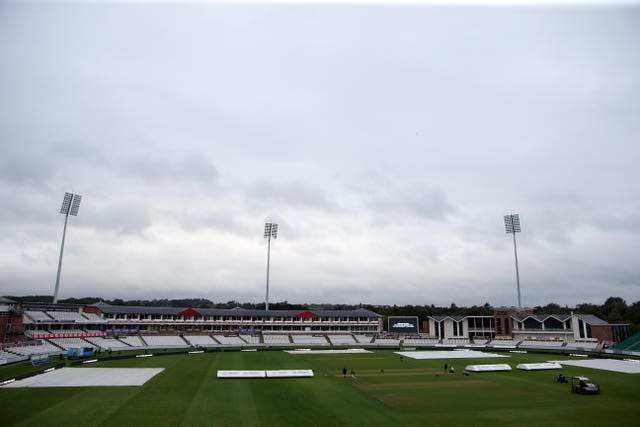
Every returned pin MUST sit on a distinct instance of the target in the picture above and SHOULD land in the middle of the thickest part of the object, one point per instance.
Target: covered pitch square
(454, 354)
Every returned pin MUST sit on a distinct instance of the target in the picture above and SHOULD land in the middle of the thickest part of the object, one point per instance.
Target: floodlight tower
(70, 206)
(512, 226)
(270, 230)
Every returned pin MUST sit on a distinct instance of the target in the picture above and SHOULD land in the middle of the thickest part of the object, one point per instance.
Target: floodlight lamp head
(70, 204)
(66, 203)
(270, 230)
(512, 223)
(75, 205)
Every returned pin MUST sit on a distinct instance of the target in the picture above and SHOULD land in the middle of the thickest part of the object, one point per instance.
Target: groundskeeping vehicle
(582, 385)
(80, 352)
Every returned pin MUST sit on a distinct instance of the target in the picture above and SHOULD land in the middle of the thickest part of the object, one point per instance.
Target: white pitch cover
(242, 374)
(538, 366)
(294, 373)
(488, 368)
(281, 373)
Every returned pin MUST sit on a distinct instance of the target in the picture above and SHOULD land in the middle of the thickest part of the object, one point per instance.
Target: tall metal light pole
(270, 230)
(70, 206)
(512, 226)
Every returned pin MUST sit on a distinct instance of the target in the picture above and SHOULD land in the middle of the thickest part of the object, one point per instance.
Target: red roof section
(189, 312)
(306, 313)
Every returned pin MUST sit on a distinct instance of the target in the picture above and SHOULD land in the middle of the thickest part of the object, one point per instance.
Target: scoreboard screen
(403, 324)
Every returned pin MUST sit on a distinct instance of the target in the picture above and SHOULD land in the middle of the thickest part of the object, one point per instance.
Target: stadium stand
(309, 339)
(8, 357)
(62, 331)
(630, 344)
(344, 339)
(455, 342)
(38, 316)
(67, 343)
(70, 316)
(276, 339)
(387, 341)
(107, 343)
(200, 340)
(168, 341)
(133, 341)
(28, 350)
(542, 344)
(229, 340)
(251, 339)
(503, 343)
(32, 332)
(94, 318)
(583, 344)
(363, 339)
(420, 341)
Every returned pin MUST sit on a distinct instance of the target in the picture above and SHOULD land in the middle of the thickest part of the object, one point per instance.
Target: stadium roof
(591, 319)
(542, 318)
(237, 311)
(456, 318)
(5, 300)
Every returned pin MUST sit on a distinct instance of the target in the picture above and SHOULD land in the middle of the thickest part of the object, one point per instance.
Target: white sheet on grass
(455, 354)
(344, 351)
(623, 366)
(89, 377)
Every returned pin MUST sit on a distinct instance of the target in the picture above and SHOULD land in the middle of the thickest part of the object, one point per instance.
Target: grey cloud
(290, 194)
(396, 202)
(154, 168)
(121, 217)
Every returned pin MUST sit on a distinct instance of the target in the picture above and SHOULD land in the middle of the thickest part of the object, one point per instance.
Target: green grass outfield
(387, 392)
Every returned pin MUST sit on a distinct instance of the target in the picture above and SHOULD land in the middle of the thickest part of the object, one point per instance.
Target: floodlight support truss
(70, 205)
(515, 253)
(270, 230)
(512, 226)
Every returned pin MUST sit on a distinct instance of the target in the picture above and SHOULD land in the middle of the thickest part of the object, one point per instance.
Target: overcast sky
(386, 141)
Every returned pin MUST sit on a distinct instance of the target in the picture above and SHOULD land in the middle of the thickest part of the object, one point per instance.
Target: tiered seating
(93, 318)
(481, 341)
(9, 357)
(541, 344)
(133, 341)
(233, 340)
(362, 339)
(28, 350)
(455, 341)
(420, 341)
(37, 315)
(503, 343)
(631, 343)
(63, 331)
(164, 341)
(586, 344)
(30, 333)
(634, 347)
(276, 339)
(309, 339)
(107, 343)
(68, 316)
(343, 339)
(387, 341)
(251, 339)
(202, 340)
(68, 343)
